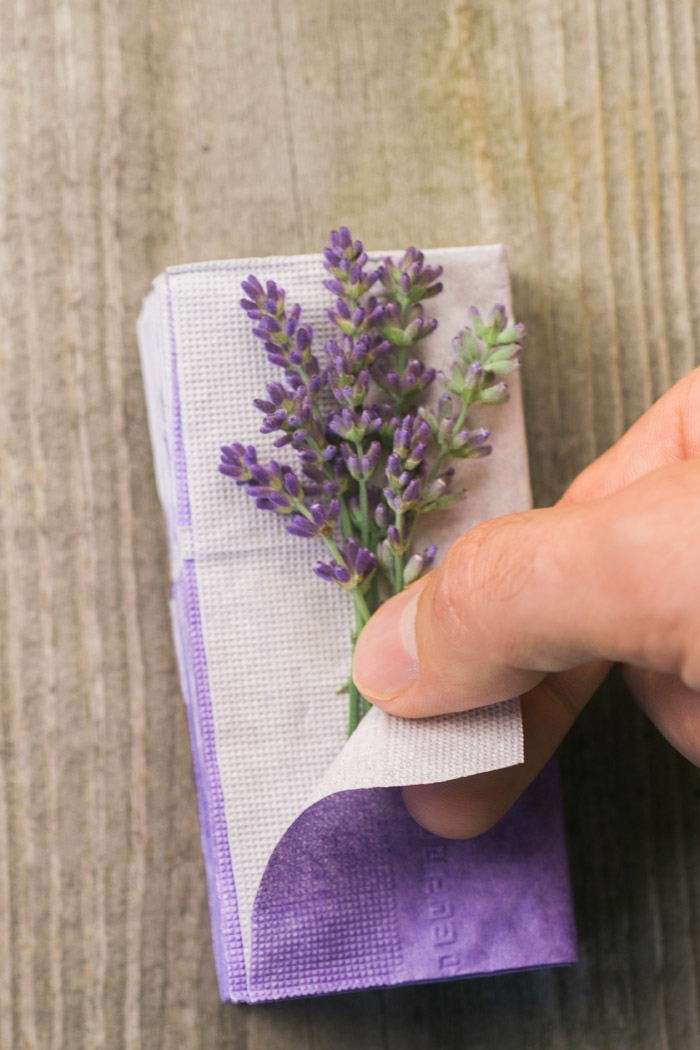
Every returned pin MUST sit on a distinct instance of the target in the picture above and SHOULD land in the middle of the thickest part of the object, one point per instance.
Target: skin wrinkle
(492, 566)
(468, 568)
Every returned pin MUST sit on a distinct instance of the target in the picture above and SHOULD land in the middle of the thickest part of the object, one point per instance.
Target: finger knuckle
(483, 563)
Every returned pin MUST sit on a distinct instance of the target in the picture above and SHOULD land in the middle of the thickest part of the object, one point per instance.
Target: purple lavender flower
(405, 327)
(347, 388)
(287, 343)
(335, 572)
(361, 467)
(354, 426)
(395, 544)
(356, 566)
(356, 355)
(316, 521)
(410, 280)
(345, 260)
(470, 444)
(410, 441)
(353, 320)
(237, 460)
(357, 417)
(407, 387)
(486, 351)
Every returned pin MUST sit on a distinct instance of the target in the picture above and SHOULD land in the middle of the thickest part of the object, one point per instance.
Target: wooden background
(141, 133)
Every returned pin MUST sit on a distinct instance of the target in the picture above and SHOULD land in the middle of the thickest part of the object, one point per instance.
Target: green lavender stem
(364, 503)
(398, 558)
(358, 704)
(344, 511)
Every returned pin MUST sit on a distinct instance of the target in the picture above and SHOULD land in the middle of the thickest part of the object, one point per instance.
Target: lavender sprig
(373, 463)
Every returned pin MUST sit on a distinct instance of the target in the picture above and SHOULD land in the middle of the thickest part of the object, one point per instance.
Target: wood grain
(136, 134)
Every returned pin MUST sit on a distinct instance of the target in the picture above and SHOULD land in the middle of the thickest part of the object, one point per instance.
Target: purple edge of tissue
(399, 906)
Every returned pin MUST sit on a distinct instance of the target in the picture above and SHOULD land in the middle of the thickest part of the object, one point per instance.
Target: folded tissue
(318, 879)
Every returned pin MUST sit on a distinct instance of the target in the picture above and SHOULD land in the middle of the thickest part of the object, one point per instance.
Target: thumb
(548, 590)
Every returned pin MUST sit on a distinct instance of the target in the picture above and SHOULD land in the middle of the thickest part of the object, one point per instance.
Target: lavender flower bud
(393, 468)
(263, 503)
(370, 459)
(303, 339)
(291, 484)
(466, 348)
(335, 286)
(323, 570)
(417, 565)
(237, 460)
(445, 432)
(259, 473)
(318, 514)
(430, 418)
(334, 572)
(252, 288)
(516, 334)
(352, 461)
(269, 324)
(448, 500)
(376, 316)
(394, 540)
(302, 527)
(360, 560)
(468, 383)
(416, 456)
(340, 472)
(495, 395)
(342, 575)
(385, 556)
(381, 516)
(412, 332)
(498, 318)
(363, 561)
(280, 502)
(408, 500)
(477, 321)
(411, 280)
(502, 367)
(509, 352)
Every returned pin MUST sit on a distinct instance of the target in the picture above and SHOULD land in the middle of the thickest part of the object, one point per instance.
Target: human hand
(541, 604)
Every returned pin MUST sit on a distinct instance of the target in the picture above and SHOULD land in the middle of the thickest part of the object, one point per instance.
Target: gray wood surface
(141, 133)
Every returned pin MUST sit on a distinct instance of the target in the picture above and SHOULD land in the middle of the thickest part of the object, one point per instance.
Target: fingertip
(457, 809)
(385, 660)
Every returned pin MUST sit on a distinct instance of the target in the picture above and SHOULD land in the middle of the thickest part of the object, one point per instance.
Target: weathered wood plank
(139, 134)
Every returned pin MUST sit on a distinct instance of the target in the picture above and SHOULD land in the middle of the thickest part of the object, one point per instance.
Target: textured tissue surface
(353, 894)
